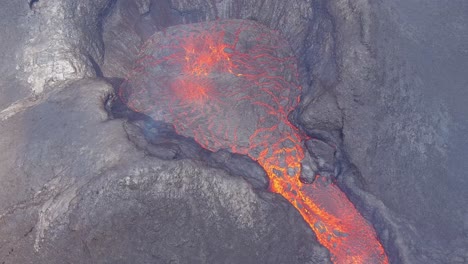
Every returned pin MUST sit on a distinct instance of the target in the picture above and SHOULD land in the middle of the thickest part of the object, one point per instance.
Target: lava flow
(231, 85)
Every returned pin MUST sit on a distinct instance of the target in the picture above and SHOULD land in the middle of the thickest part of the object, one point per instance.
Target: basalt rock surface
(76, 190)
(384, 102)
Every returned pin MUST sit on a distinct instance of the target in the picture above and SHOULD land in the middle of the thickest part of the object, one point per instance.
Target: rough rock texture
(231, 84)
(292, 18)
(13, 32)
(400, 93)
(233, 91)
(389, 76)
(47, 42)
(386, 88)
(75, 190)
(321, 114)
(160, 140)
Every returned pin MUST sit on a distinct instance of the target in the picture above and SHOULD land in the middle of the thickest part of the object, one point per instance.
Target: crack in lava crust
(231, 85)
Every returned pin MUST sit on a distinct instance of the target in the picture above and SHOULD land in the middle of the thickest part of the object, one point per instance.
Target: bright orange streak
(212, 76)
(203, 57)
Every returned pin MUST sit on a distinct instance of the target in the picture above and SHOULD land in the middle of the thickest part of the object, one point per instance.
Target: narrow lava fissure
(221, 91)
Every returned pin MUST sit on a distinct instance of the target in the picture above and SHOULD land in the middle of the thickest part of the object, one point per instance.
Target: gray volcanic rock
(56, 136)
(126, 27)
(240, 103)
(401, 93)
(74, 189)
(323, 154)
(383, 81)
(322, 114)
(157, 140)
(309, 169)
(14, 35)
(46, 43)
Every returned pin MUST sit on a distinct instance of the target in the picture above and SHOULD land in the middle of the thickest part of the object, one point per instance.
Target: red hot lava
(231, 85)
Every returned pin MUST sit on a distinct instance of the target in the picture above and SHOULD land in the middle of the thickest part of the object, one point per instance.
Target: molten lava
(231, 85)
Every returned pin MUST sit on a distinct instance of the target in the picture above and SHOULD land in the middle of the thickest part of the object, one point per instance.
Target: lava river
(231, 85)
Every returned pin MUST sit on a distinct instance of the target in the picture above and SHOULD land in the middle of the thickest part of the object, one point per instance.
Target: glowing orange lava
(231, 85)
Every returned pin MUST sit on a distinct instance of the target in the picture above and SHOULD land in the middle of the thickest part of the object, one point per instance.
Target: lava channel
(231, 85)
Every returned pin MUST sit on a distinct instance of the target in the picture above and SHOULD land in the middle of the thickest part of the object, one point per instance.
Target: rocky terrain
(383, 82)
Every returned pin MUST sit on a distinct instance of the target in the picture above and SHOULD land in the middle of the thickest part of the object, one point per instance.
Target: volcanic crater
(231, 85)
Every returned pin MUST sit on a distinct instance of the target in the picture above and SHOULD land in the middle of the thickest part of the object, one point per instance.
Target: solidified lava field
(231, 85)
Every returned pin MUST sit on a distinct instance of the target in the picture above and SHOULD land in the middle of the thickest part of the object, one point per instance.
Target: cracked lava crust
(231, 85)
